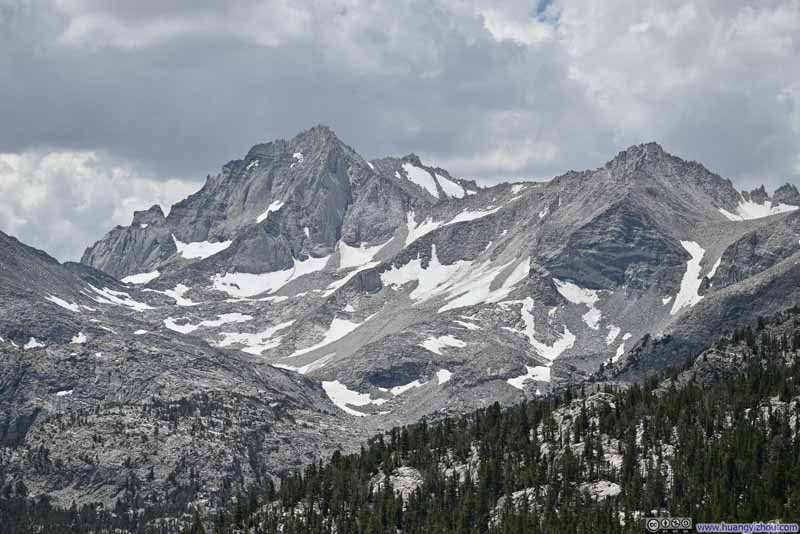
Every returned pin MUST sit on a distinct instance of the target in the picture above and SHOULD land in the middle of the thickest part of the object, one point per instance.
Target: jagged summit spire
(636, 153)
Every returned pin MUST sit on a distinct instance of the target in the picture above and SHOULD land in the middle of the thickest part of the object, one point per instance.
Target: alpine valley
(305, 300)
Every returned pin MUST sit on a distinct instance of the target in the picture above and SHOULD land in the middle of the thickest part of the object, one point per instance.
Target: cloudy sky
(107, 106)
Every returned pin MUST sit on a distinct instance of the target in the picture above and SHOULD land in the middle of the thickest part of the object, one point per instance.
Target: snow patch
(298, 158)
(399, 390)
(350, 257)
(141, 278)
(140, 332)
(240, 285)
(274, 207)
(63, 303)
(415, 231)
(338, 329)
(78, 339)
(64, 393)
(450, 188)
(551, 352)
(461, 284)
(714, 268)
(178, 293)
(255, 343)
(467, 215)
(436, 344)
(222, 319)
(32, 343)
(305, 369)
(539, 373)
(422, 178)
(579, 295)
(468, 326)
(690, 284)
(619, 353)
(443, 375)
(334, 286)
(748, 210)
(199, 249)
(118, 298)
(343, 397)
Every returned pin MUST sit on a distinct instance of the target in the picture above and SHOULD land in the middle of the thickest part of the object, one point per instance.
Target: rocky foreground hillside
(305, 299)
(716, 437)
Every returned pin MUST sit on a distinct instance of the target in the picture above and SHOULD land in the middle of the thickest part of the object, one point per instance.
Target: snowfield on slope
(343, 397)
(460, 284)
(242, 285)
(579, 295)
(338, 329)
(690, 284)
(141, 278)
(421, 177)
(748, 210)
(199, 249)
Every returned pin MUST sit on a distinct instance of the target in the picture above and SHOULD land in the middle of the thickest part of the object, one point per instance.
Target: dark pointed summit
(152, 215)
(787, 194)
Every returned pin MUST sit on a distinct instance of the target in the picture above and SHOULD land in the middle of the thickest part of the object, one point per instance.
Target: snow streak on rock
(550, 352)
(200, 249)
(337, 330)
(690, 284)
(274, 207)
(579, 295)
(422, 178)
(141, 278)
(255, 343)
(436, 344)
(63, 303)
(343, 397)
(540, 373)
(350, 257)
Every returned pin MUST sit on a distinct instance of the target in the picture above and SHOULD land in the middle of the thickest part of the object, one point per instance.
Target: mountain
(407, 291)
(305, 299)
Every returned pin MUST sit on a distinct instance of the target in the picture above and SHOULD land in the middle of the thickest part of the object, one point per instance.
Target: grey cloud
(176, 88)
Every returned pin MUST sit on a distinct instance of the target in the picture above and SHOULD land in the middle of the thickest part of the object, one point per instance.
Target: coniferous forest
(595, 460)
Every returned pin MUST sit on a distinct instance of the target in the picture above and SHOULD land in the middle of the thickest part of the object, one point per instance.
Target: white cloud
(506, 160)
(522, 29)
(61, 201)
(97, 23)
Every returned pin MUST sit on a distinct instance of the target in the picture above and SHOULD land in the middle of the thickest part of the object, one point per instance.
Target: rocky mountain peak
(787, 194)
(634, 155)
(412, 159)
(758, 195)
(153, 215)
